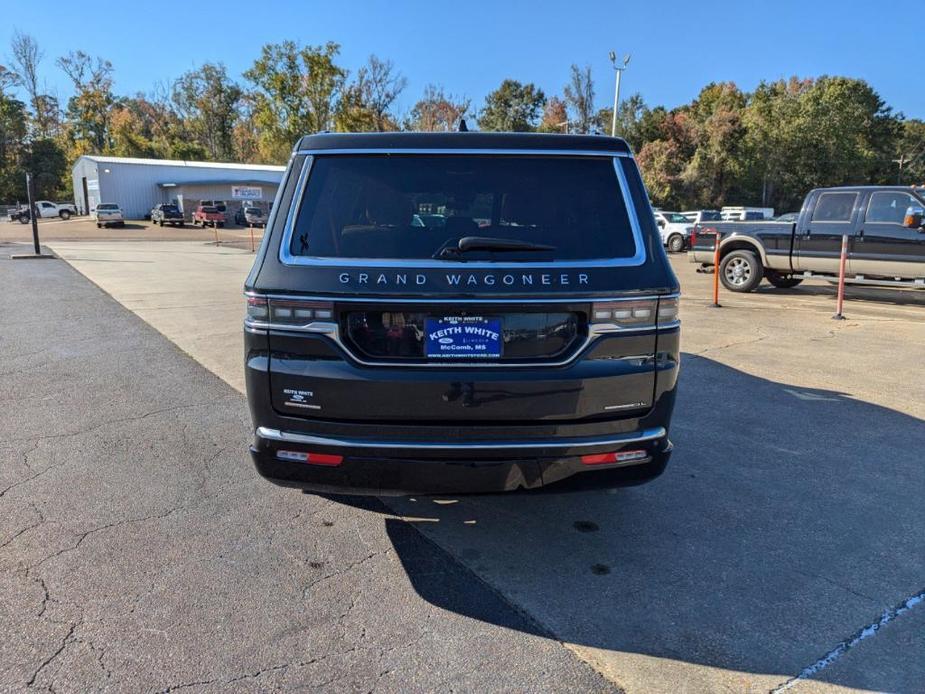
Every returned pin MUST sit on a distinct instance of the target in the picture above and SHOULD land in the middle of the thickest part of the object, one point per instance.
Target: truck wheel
(23, 219)
(740, 271)
(676, 243)
(99, 226)
(65, 215)
(782, 281)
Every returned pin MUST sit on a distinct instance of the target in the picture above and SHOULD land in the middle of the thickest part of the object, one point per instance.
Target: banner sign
(247, 192)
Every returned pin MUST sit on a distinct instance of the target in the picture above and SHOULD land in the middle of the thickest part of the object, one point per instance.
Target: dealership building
(137, 185)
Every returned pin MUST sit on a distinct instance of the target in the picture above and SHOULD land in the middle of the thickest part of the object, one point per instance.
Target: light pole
(618, 70)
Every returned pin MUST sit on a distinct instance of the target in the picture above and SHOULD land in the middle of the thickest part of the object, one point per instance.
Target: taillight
(625, 314)
(636, 313)
(669, 308)
(257, 309)
(297, 312)
(288, 312)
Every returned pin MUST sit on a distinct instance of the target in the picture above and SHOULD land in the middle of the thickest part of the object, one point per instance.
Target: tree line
(727, 146)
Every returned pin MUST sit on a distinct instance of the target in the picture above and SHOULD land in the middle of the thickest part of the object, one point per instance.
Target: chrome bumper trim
(615, 440)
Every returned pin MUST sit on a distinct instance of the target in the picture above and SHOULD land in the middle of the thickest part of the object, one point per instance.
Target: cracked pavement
(139, 551)
(788, 523)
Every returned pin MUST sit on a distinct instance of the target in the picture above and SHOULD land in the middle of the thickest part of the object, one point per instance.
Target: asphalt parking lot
(783, 549)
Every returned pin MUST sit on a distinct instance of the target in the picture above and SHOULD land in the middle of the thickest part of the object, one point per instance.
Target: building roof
(464, 140)
(219, 182)
(179, 162)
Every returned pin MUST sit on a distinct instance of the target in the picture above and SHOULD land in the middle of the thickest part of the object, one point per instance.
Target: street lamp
(618, 70)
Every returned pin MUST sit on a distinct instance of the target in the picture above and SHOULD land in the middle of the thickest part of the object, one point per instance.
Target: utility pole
(30, 194)
(901, 161)
(618, 69)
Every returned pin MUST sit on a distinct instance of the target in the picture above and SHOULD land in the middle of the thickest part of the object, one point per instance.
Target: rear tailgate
(390, 359)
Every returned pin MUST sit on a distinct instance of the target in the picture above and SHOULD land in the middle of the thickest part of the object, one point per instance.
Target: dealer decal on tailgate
(463, 337)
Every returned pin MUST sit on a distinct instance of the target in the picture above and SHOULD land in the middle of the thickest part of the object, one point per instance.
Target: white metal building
(137, 185)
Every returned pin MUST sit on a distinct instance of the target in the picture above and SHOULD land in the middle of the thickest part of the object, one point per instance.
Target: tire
(221, 225)
(181, 224)
(65, 215)
(121, 224)
(782, 281)
(99, 226)
(23, 219)
(740, 271)
(676, 243)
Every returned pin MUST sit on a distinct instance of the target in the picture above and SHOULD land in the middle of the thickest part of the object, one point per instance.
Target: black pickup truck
(167, 214)
(884, 226)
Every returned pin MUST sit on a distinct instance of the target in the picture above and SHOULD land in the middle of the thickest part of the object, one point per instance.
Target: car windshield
(170, 208)
(107, 207)
(253, 210)
(676, 218)
(413, 206)
(710, 216)
(209, 209)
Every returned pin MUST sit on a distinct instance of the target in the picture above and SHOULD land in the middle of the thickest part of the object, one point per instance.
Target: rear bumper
(395, 467)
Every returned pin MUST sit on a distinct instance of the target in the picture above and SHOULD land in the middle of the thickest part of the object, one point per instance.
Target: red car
(208, 216)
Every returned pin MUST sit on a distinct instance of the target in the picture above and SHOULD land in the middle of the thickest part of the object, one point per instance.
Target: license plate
(462, 337)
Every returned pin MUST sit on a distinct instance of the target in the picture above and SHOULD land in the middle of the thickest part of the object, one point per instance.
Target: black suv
(461, 312)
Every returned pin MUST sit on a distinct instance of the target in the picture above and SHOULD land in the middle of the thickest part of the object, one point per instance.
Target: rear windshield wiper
(487, 243)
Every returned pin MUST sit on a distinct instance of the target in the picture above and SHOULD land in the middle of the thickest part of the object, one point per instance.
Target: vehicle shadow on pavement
(788, 519)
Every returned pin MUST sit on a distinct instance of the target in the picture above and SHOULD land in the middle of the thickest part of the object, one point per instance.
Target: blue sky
(469, 47)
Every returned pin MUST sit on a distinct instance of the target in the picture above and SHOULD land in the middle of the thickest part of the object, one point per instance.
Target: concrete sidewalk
(788, 523)
(191, 292)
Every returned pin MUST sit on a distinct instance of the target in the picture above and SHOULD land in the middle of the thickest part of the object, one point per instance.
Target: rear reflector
(605, 458)
(310, 458)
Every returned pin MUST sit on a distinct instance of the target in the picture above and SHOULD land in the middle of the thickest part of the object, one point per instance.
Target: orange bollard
(840, 301)
(716, 303)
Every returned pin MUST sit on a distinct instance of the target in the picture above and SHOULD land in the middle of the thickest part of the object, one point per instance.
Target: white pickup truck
(46, 209)
(674, 228)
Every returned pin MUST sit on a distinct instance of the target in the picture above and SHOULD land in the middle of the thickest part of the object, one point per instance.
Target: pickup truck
(674, 228)
(167, 214)
(206, 215)
(884, 226)
(108, 214)
(46, 209)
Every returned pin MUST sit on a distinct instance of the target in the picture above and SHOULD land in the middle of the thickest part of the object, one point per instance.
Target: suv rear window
(413, 206)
